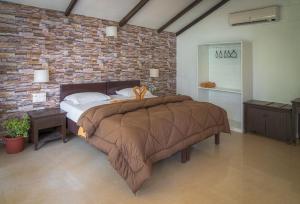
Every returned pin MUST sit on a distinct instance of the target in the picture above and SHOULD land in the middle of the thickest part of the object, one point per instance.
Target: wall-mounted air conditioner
(266, 14)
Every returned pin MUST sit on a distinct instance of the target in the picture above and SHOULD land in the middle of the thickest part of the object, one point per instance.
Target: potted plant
(17, 129)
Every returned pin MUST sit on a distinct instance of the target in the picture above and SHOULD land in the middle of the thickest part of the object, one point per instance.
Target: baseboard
(236, 130)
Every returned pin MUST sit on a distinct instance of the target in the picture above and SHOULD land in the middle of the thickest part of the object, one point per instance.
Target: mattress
(74, 111)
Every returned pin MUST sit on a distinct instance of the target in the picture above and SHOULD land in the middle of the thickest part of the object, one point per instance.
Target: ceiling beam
(132, 12)
(181, 13)
(70, 7)
(207, 13)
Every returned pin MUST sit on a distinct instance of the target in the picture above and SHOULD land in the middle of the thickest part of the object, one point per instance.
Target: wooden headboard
(113, 86)
(108, 88)
(68, 89)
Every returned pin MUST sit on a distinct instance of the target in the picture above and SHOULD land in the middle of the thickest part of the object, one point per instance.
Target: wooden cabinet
(296, 121)
(269, 119)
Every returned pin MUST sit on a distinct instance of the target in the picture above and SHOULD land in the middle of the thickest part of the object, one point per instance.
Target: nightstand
(44, 119)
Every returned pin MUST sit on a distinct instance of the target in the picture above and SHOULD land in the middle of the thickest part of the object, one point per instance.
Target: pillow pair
(87, 97)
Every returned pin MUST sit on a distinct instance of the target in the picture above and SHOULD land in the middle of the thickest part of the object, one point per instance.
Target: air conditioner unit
(266, 14)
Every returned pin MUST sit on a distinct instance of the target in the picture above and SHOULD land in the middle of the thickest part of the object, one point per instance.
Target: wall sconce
(41, 76)
(154, 73)
(111, 31)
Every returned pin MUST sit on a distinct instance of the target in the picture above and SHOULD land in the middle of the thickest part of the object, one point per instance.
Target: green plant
(17, 127)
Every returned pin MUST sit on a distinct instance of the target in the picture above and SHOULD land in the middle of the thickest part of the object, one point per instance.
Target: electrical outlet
(38, 97)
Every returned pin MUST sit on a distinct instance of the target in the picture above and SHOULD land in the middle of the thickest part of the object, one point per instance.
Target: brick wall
(75, 50)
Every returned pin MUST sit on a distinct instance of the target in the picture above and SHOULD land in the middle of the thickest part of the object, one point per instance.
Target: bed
(74, 112)
(136, 134)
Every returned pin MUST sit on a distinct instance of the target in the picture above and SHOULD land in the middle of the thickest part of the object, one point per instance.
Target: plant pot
(14, 145)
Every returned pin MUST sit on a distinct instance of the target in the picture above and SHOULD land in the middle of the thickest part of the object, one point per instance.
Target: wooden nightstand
(47, 118)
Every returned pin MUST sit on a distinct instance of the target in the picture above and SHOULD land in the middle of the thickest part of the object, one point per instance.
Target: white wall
(276, 49)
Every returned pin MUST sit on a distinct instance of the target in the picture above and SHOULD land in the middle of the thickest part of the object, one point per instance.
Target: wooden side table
(296, 112)
(47, 118)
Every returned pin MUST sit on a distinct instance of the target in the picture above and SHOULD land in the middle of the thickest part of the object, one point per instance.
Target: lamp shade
(111, 31)
(41, 76)
(154, 72)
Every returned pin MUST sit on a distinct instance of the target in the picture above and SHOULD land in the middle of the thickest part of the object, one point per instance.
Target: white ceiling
(153, 15)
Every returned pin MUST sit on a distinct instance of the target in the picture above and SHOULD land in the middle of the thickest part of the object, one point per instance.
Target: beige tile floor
(243, 169)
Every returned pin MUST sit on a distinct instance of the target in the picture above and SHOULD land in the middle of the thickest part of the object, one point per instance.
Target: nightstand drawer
(52, 121)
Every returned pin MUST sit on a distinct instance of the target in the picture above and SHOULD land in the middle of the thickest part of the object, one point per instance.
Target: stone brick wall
(75, 50)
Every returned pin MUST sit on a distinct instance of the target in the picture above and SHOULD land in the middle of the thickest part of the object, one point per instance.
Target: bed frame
(109, 88)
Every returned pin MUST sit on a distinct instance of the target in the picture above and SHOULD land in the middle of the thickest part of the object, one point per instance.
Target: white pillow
(86, 97)
(128, 92)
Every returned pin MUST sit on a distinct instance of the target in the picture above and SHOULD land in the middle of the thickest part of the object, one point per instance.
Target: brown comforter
(136, 134)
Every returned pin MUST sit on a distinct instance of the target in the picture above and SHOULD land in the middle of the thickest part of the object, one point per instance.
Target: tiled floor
(243, 169)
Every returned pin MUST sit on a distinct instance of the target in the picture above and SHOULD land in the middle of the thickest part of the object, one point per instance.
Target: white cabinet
(229, 65)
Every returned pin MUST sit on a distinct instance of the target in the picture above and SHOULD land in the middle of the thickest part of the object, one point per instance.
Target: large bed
(74, 111)
(137, 133)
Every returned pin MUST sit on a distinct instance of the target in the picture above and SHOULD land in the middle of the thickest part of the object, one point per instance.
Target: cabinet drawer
(48, 122)
(256, 120)
(276, 126)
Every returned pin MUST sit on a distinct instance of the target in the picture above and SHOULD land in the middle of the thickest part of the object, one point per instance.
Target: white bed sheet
(74, 111)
